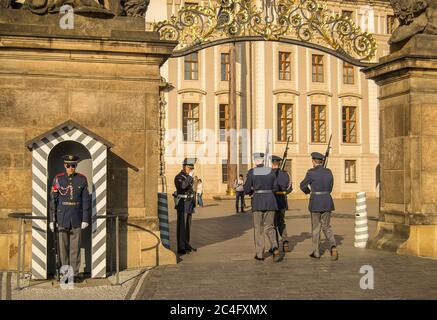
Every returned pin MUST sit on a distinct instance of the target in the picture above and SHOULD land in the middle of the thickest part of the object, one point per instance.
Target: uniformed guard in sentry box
(70, 213)
(69, 172)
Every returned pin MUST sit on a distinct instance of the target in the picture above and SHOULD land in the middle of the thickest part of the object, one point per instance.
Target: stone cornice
(286, 91)
(319, 92)
(219, 92)
(350, 94)
(189, 90)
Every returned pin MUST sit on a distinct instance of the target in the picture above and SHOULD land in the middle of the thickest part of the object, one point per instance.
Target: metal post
(232, 154)
(111, 238)
(20, 222)
(117, 252)
(24, 248)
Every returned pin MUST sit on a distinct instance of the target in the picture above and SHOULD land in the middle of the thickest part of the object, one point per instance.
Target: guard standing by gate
(71, 203)
(321, 181)
(184, 204)
(285, 188)
(261, 182)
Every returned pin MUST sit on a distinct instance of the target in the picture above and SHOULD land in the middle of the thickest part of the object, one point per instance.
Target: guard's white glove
(191, 173)
(52, 226)
(84, 225)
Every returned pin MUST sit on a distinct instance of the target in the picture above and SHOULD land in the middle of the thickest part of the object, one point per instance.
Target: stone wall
(408, 112)
(103, 74)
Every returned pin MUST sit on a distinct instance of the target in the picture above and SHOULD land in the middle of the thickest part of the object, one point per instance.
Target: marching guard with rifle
(70, 212)
(261, 182)
(285, 187)
(319, 182)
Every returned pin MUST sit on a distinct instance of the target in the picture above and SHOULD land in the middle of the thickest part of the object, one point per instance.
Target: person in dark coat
(239, 193)
(70, 202)
(261, 182)
(319, 182)
(185, 202)
(285, 187)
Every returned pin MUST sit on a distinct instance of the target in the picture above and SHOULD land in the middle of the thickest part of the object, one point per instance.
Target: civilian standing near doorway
(199, 191)
(239, 193)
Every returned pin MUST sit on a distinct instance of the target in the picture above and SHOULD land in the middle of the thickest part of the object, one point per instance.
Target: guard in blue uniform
(71, 203)
(319, 182)
(285, 187)
(261, 182)
(185, 203)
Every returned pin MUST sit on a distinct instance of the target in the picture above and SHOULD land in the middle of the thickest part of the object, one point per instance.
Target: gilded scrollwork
(304, 20)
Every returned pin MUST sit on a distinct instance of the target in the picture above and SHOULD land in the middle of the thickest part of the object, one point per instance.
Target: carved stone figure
(131, 8)
(5, 3)
(80, 6)
(415, 16)
(135, 8)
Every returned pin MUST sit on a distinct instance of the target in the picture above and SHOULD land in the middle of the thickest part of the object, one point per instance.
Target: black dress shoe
(258, 258)
(312, 255)
(334, 253)
(286, 246)
(276, 255)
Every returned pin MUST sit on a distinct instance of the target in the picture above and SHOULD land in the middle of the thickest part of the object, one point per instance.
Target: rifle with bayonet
(325, 160)
(284, 157)
(56, 249)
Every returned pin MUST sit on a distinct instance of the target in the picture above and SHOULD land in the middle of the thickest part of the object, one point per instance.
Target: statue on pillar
(131, 8)
(5, 3)
(415, 16)
(135, 8)
(53, 6)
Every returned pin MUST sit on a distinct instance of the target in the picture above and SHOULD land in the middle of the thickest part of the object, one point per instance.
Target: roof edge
(69, 123)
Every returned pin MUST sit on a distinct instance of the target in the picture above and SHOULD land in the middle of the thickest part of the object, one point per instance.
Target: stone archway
(406, 79)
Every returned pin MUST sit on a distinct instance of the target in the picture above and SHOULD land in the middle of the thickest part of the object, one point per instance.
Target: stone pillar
(407, 81)
(103, 74)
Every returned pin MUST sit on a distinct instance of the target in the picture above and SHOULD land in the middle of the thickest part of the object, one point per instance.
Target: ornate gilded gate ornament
(307, 21)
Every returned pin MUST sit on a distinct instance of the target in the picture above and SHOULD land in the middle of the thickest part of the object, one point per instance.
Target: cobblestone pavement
(224, 268)
(91, 289)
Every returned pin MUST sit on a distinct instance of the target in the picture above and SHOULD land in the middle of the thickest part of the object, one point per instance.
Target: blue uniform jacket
(320, 179)
(73, 202)
(184, 185)
(284, 186)
(262, 178)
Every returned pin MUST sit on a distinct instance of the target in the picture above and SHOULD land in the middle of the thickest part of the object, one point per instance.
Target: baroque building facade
(285, 90)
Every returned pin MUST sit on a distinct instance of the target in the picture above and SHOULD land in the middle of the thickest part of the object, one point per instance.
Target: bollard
(361, 229)
(163, 219)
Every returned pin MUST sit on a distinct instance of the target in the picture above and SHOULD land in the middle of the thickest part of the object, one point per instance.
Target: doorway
(56, 166)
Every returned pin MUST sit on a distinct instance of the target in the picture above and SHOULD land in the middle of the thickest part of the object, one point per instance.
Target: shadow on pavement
(293, 241)
(211, 205)
(205, 232)
(324, 245)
